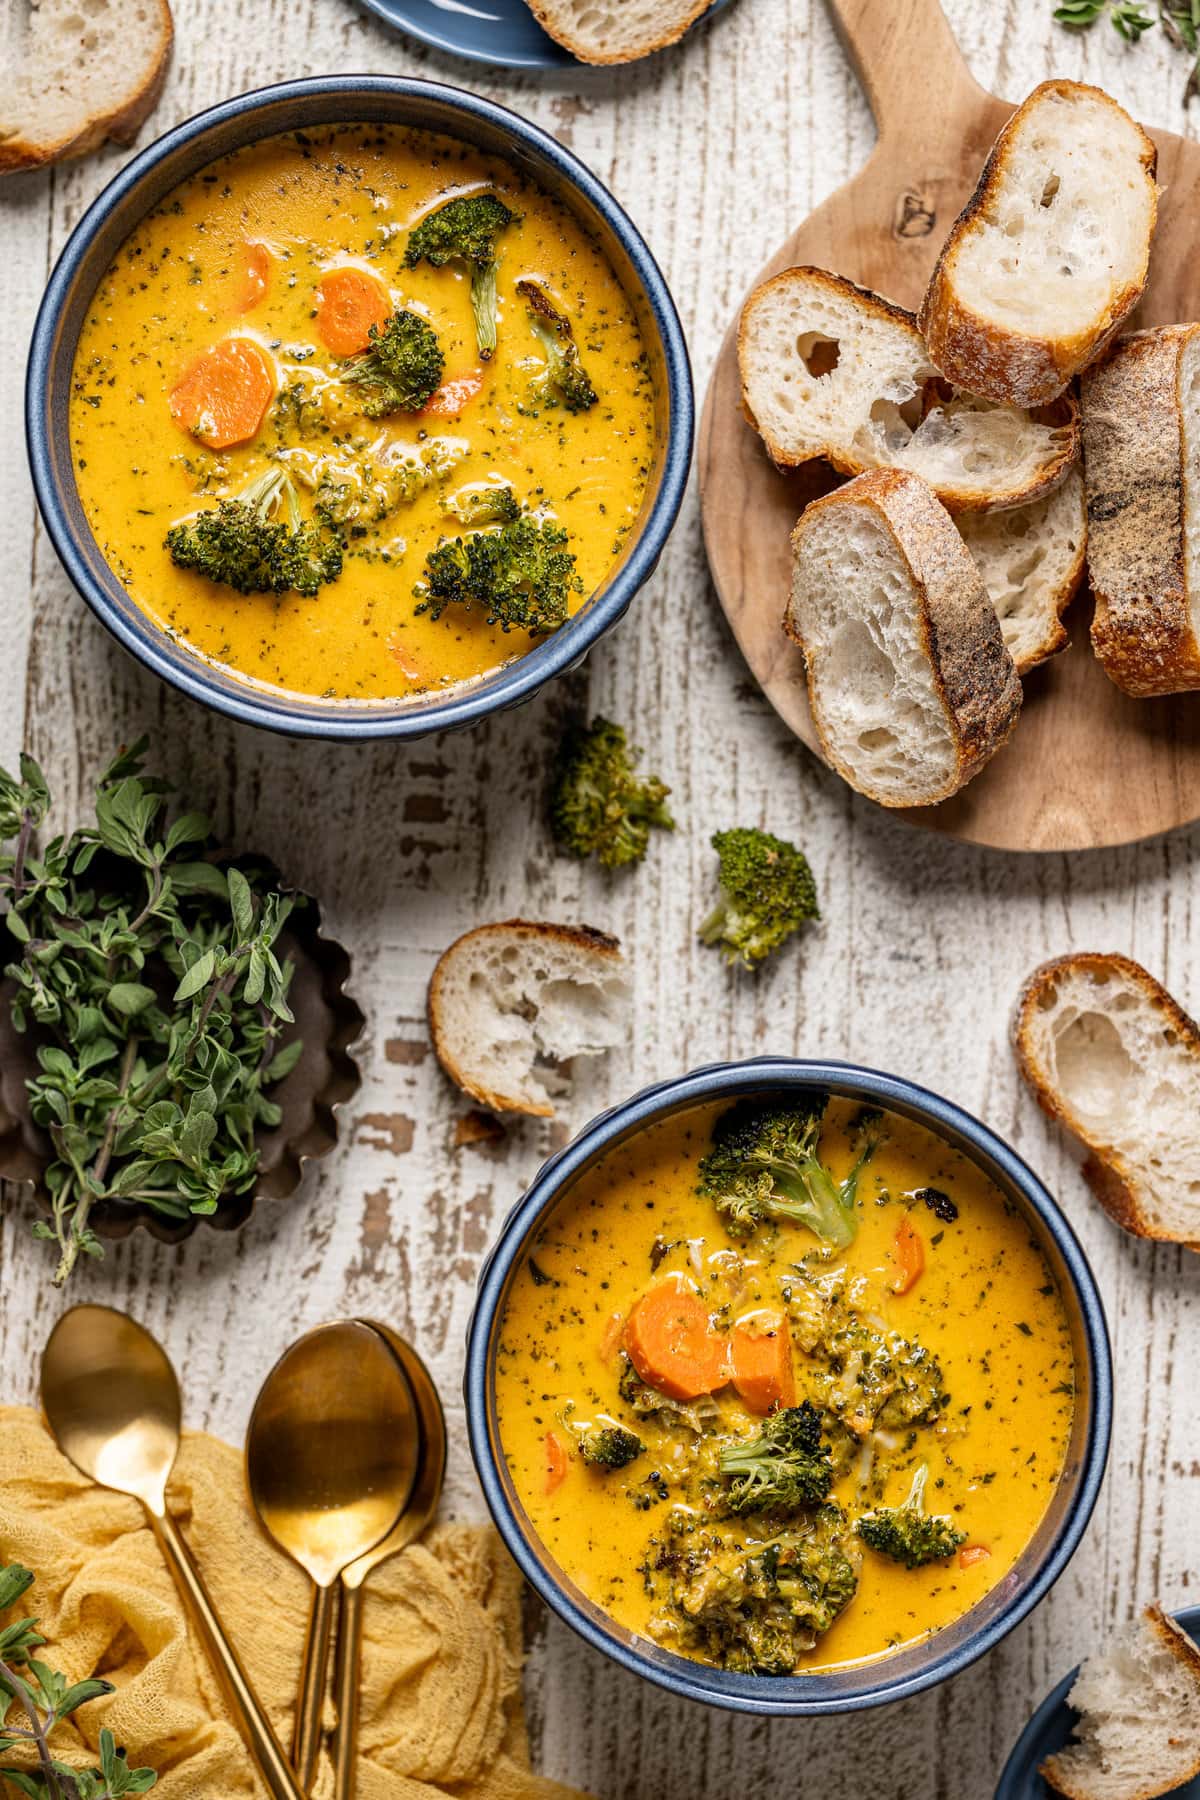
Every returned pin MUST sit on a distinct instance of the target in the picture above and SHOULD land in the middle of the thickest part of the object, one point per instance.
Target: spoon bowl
(112, 1402)
(332, 1455)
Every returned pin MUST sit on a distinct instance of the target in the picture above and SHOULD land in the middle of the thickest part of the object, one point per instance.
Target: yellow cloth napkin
(441, 1703)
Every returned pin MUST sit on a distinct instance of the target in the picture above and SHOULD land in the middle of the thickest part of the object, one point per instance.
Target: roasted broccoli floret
(608, 1446)
(599, 805)
(767, 892)
(521, 577)
(784, 1468)
(487, 505)
(757, 1609)
(257, 543)
(763, 1164)
(565, 380)
(401, 370)
(909, 1534)
(465, 230)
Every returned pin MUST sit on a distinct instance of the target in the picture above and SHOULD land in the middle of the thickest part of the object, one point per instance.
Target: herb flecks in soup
(770, 1449)
(361, 413)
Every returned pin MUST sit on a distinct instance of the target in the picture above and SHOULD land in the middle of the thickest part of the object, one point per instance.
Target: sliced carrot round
(557, 1461)
(908, 1254)
(760, 1355)
(672, 1346)
(349, 302)
(222, 397)
(255, 277)
(453, 397)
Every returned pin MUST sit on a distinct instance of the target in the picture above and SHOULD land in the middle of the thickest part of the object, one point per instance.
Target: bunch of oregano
(34, 1700)
(148, 974)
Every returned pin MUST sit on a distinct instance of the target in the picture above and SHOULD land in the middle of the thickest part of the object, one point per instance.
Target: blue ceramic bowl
(501, 32)
(292, 106)
(920, 1665)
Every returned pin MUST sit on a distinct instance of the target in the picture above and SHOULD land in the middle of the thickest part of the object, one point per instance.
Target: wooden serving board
(1087, 765)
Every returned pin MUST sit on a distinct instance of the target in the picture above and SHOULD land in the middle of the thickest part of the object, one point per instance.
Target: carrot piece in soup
(222, 397)
(256, 275)
(908, 1253)
(672, 1346)
(349, 302)
(455, 396)
(611, 1338)
(761, 1362)
(970, 1554)
(557, 1461)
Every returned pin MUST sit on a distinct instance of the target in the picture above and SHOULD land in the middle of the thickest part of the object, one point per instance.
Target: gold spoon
(331, 1457)
(112, 1401)
(422, 1504)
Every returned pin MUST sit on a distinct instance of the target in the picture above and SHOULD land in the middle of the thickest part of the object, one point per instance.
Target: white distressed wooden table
(716, 148)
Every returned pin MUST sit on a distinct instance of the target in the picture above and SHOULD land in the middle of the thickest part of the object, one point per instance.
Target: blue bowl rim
(510, 686)
(773, 1696)
(551, 57)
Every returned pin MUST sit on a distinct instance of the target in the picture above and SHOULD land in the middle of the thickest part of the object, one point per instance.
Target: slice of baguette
(85, 73)
(1031, 559)
(911, 687)
(1139, 1734)
(1141, 426)
(1111, 1056)
(1051, 252)
(830, 369)
(510, 1003)
(616, 31)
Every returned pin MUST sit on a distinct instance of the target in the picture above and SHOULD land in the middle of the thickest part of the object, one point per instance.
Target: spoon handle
(314, 1676)
(346, 1684)
(247, 1709)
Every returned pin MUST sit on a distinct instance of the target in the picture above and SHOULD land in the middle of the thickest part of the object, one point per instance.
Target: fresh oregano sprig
(149, 975)
(34, 1697)
(1179, 19)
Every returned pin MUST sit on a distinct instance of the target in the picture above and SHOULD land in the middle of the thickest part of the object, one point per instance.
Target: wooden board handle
(905, 55)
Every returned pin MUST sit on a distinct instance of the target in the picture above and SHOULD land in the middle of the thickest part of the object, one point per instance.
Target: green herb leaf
(130, 997)
(198, 976)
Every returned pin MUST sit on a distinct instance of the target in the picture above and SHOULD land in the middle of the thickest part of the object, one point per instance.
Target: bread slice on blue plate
(616, 31)
(1138, 1735)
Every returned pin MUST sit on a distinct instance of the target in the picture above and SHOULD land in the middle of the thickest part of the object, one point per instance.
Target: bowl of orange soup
(789, 1387)
(358, 407)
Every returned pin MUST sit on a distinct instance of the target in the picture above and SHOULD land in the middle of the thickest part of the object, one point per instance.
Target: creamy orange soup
(241, 251)
(975, 1388)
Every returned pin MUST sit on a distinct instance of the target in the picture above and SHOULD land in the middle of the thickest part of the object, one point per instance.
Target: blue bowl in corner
(292, 106)
(918, 1666)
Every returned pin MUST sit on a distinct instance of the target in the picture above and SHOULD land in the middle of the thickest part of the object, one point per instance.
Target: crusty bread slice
(1139, 1733)
(616, 31)
(1031, 559)
(911, 687)
(85, 72)
(830, 369)
(1141, 424)
(510, 1003)
(1051, 252)
(1111, 1055)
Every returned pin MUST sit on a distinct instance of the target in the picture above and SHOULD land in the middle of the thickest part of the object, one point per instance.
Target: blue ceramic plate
(1050, 1729)
(504, 32)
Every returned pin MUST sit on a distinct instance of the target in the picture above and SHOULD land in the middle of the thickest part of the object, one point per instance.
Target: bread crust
(1176, 1643)
(579, 937)
(1135, 453)
(120, 126)
(1063, 413)
(1111, 1177)
(1023, 368)
(973, 674)
(549, 22)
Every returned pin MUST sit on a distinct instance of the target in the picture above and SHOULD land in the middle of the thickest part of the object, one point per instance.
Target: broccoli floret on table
(599, 805)
(257, 543)
(767, 893)
(466, 230)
